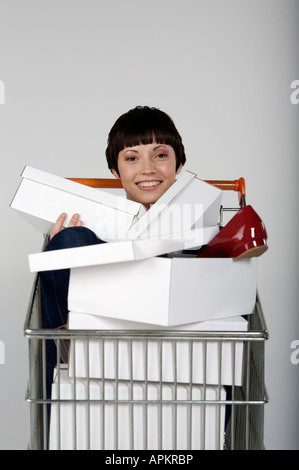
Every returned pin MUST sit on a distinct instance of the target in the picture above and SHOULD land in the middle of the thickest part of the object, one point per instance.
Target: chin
(150, 202)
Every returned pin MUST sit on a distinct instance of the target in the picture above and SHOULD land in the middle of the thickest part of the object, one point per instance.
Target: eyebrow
(160, 145)
(155, 148)
(129, 150)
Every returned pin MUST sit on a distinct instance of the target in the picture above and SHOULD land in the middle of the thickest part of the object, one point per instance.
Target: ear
(179, 169)
(114, 172)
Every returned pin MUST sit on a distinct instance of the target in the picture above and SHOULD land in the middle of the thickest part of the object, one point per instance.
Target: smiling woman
(143, 125)
(147, 171)
(146, 152)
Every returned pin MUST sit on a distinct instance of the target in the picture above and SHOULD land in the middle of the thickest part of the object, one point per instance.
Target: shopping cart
(121, 412)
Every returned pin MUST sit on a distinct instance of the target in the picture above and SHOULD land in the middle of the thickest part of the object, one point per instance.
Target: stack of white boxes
(141, 281)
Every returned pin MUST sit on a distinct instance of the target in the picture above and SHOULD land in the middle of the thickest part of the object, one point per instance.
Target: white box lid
(97, 195)
(117, 252)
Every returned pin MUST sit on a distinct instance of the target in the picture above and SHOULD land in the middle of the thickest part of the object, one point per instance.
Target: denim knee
(54, 284)
(73, 237)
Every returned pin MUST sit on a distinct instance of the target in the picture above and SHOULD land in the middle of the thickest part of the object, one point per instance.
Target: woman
(146, 152)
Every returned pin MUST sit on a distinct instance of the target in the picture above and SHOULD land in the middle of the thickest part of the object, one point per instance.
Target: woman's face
(147, 171)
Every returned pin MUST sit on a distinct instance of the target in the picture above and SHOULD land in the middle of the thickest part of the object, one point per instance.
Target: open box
(165, 291)
(117, 280)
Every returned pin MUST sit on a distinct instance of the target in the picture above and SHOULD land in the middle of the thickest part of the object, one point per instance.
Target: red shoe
(244, 236)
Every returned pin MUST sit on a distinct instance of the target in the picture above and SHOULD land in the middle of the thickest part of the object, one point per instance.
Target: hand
(59, 224)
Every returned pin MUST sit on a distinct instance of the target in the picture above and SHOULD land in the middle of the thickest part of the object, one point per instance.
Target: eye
(130, 159)
(162, 155)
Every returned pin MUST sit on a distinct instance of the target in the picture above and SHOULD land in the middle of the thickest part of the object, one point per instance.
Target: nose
(148, 166)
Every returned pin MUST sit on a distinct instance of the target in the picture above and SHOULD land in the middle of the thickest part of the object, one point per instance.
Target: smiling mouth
(149, 184)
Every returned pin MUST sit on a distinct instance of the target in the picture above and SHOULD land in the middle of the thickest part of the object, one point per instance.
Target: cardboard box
(42, 197)
(189, 203)
(165, 292)
(112, 422)
(210, 362)
(118, 251)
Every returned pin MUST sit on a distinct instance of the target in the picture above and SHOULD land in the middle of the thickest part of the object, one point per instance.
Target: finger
(75, 221)
(58, 225)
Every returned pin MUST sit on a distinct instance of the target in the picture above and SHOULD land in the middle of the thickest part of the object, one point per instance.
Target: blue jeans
(54, 290)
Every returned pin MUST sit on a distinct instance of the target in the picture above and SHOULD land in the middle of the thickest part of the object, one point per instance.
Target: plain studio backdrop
(223, 69)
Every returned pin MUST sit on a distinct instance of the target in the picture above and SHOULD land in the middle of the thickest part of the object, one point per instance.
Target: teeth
(146, 184)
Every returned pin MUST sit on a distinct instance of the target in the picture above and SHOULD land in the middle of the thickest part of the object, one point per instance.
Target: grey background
(222, 70)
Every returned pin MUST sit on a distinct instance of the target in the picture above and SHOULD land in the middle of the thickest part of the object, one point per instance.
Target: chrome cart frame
(238, 414)
(246, 424)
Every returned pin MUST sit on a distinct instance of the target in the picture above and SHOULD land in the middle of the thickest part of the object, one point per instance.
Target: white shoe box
(118, 421)
(165, 291)
(211, 362)
(189, 203)
(41, 197)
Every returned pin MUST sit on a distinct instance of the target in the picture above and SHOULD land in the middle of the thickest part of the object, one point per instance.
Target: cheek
(170, 171)
(125, 173)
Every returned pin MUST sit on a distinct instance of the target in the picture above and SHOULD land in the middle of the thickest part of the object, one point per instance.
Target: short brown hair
(143, 125)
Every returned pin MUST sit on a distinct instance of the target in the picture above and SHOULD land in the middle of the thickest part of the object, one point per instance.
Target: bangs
(143, 125)
(132, 136)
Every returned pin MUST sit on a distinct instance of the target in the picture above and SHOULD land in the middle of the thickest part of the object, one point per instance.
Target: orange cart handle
(232, 185)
